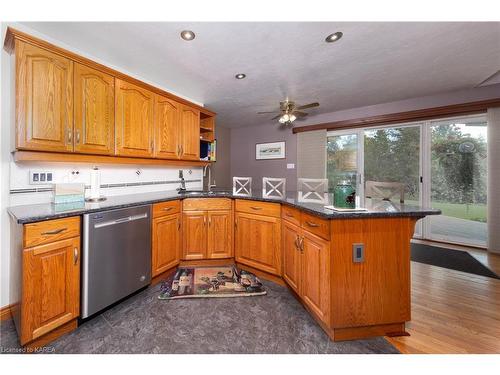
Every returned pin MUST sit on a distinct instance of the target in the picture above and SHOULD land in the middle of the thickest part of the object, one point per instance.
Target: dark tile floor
(275, 323)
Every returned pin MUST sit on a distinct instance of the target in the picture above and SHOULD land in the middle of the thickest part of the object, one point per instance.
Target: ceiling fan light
(292, 117)
(282, 119)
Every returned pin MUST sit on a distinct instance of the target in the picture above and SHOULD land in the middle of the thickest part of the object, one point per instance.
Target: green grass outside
(476, 212)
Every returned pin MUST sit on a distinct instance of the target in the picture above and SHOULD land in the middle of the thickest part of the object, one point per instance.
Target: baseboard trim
(6, 312)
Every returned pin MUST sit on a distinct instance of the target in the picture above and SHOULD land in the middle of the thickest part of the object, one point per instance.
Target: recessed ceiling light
(187, 35)
(240, 76)
(333, 37)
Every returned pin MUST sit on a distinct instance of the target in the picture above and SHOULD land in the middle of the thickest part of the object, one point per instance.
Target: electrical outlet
(290, 166)
(358, 252)
(41, 177)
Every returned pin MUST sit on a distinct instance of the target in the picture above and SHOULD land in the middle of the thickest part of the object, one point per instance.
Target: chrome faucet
(208, 168)
(183, 182)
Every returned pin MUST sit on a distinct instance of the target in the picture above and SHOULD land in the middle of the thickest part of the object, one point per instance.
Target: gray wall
(243, 161)
(221, 168)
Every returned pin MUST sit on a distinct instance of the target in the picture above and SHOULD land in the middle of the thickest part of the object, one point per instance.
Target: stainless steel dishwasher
(116, 256)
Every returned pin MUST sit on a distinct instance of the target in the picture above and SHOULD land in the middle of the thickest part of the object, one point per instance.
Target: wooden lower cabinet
(209, 235)
(306, 268)
(291, 256)
(220, 234)
(258, 241)
(315, 286)
(50, 287)
(166, 243)
(195, 239)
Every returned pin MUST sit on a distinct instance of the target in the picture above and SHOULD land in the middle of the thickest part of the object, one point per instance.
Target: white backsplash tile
(110, 174)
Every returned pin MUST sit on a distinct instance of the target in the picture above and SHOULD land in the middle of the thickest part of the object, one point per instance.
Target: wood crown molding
(9, 45)
(408, 116)
(27, 156)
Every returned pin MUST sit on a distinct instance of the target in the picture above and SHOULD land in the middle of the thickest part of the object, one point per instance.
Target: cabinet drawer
(258, 208)
(291, 214)
(50, 231)
(315, 225)
(206, 204)
(166, 208)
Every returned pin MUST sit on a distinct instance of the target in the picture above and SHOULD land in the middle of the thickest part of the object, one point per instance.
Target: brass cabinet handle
(166, 208)
(178, 225)
(55, 231)
(301, 244)
(70, 135)
(209, 221)
(296, 242)
(314, 225)
(75, 255)
(77, 136)
(288, 214)
(256, 208)
(152, 145)
(204, 220)
(182, 150)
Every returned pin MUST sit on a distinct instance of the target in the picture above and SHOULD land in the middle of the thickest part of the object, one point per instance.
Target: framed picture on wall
(274, 150)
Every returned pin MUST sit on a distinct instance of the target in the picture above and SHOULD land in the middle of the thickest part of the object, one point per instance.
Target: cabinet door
(315, 283)
(167, 132)
(94, 111)
(134, 120)
(291, 255)
(190, 137)
(258, 242)
(166, 244)
(44, 105)
(51, 287)
(194, 224)
(220, 234)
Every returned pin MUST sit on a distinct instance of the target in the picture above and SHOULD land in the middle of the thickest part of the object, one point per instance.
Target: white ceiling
(373, 63)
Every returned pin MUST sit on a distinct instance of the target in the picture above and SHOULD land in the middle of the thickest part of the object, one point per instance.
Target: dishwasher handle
(125, 219)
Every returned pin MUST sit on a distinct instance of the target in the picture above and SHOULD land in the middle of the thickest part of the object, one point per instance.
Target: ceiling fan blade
(310, 105)
(300, 114)
(276, 117)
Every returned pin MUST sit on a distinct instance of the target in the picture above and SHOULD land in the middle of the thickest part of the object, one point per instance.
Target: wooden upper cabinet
(134, 120)
(166, 243)
(258, 242)
(94, 96)
(315, 285)
(51, 287)
(220, 234)
(190, 133)
(167, 128)
(195, 235)
(44, 106)
(291, 255)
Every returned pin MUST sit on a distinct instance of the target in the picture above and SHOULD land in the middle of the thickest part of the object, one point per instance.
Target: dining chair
(385, 190)
(273, 187)
(313, 190)
(242, 186)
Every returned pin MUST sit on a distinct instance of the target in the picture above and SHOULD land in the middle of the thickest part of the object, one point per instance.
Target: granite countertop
(39, 212)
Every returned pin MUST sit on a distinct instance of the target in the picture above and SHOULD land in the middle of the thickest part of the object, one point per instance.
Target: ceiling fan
(289, 111)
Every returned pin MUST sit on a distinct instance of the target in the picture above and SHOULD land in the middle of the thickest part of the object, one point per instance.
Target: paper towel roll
(95, 183)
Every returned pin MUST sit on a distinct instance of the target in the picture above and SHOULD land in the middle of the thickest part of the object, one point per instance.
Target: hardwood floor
(452, 312)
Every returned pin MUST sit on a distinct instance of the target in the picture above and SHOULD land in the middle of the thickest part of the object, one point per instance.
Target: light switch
(290, 166)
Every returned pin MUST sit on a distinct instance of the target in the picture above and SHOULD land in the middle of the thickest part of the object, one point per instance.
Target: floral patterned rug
(201, 282)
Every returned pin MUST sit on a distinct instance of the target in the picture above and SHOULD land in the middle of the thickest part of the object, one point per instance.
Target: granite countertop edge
(314, 209)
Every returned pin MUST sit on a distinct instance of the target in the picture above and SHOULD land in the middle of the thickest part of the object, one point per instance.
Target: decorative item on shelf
(69, 193)
(275, 150)
(344, 195)
(95, 186)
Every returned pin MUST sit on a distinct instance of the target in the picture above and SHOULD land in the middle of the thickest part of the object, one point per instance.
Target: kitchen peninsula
(351, 270)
